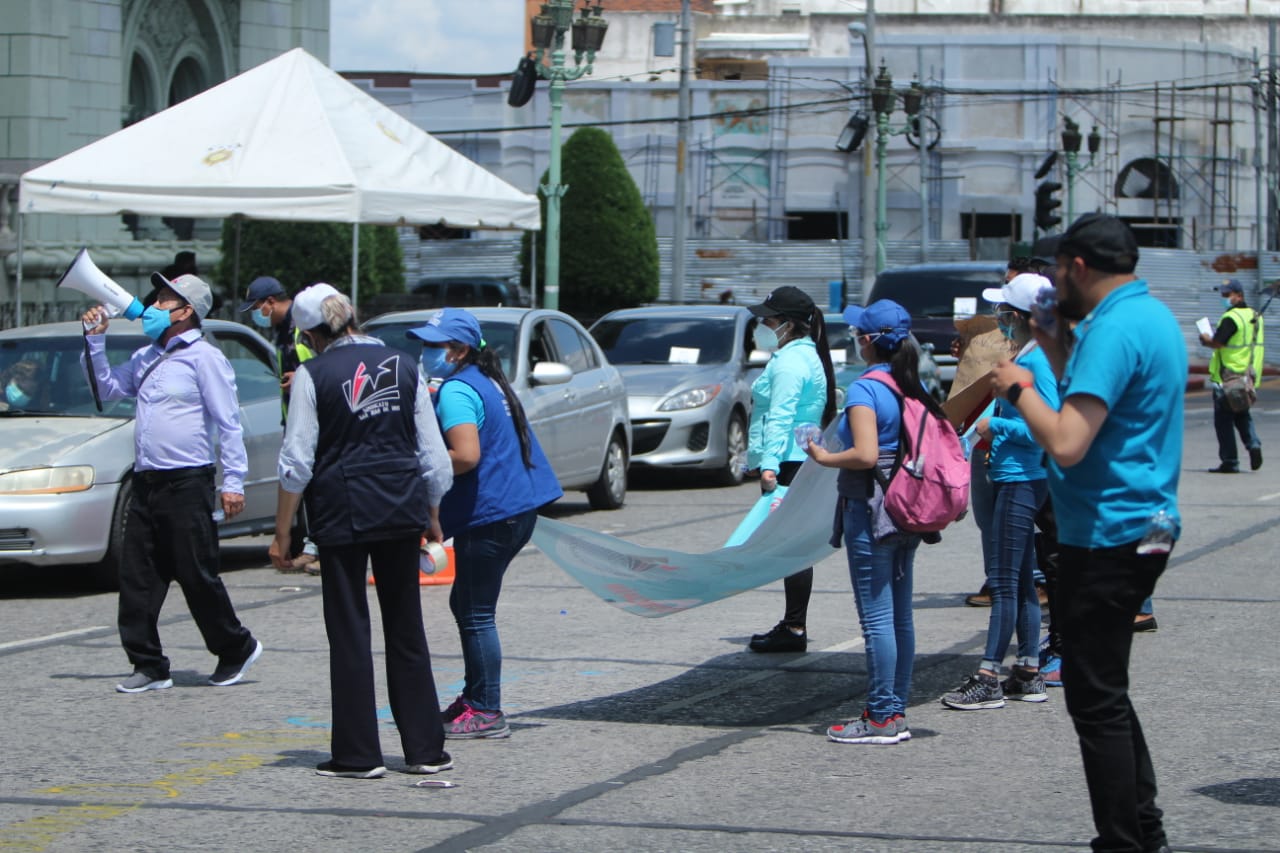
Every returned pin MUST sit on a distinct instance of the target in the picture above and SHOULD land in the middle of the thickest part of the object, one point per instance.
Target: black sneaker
(229, 673)
(1255, 458)
(977, 693)
(1143, 623)
(1024, 686)
(780, 639)
(333, 768)
(444, 762)
(1225, 468)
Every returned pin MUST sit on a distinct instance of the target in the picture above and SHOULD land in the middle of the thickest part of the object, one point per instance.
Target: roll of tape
(434, 558)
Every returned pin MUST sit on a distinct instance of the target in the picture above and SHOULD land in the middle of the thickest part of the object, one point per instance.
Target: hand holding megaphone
(96, 320)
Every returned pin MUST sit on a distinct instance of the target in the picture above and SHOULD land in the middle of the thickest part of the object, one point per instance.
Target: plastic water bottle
(219, 516)
(1160, 534)
(807, 433)
(1045, 309)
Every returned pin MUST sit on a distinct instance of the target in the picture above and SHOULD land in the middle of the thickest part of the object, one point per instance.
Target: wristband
(1015, 391)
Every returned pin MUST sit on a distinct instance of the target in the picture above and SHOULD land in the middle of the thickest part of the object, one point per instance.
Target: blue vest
(500, 486)
(366, 485)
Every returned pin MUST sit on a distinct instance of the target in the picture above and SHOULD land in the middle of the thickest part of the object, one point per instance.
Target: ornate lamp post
(1071, 147)
(882, 101)
(548, 30)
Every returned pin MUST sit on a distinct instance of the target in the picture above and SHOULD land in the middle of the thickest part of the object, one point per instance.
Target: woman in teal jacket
(796, 387)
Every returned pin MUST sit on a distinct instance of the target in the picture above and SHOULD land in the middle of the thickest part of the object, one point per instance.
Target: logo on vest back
(373, 393)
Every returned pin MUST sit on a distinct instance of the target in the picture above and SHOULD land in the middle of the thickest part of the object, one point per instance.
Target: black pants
(1047, 562)
(1101, 591)
(410, 685)
(170, 535)
(798, 587)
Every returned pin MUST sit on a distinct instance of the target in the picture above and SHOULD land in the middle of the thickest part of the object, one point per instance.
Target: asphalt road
(651, 734)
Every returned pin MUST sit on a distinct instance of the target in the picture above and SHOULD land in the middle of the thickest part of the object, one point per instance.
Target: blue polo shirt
(1129, 353)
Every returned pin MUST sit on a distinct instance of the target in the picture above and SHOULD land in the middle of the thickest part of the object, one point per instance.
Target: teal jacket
(792, 390)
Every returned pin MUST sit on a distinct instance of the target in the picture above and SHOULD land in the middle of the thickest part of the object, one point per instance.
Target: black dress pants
(798, 587)
(1101, 590)
(170, 535)
(410, 684)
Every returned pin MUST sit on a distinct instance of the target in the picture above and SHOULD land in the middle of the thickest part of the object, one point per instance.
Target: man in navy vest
(363, 443)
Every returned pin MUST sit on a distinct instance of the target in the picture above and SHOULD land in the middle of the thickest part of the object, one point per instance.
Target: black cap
(1103, 242)
(259, 289)
(1045, 250)
(790, 302)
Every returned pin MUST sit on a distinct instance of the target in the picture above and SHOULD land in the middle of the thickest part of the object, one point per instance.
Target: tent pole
(17, 281)
(355, 263)
(235, 274)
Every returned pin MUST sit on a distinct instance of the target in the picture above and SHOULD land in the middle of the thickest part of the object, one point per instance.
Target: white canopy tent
(287, 140)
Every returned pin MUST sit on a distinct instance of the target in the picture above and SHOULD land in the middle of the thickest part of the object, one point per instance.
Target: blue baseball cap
(450, 324)
(259, 289)
(883, 317)
(1230, 285)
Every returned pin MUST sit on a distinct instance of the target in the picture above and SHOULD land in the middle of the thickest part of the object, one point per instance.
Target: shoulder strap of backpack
(903, 438)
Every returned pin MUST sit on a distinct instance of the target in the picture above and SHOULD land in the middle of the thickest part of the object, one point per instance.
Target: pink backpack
(928, 486)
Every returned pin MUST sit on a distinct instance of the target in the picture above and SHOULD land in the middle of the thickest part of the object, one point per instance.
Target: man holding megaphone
(185, 388)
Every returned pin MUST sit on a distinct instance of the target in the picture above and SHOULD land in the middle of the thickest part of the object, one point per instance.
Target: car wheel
(106, 573)
(736, 452)
(610, 490)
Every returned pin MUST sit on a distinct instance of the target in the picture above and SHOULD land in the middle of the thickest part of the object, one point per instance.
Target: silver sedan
(66, 469)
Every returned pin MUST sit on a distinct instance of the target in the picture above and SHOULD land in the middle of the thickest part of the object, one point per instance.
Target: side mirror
(550, 373)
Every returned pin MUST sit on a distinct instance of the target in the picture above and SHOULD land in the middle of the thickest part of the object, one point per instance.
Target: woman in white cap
(1021, 487)
(501, 478)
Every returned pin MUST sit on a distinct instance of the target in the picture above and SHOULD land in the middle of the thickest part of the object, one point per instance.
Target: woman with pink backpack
(881, 552)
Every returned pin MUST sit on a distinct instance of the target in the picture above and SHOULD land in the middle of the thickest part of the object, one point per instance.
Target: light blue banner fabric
(659, 581)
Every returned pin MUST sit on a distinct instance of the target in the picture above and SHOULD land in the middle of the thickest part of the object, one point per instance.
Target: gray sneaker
(977, 693)
(140, 682)
(1025, 686)
(904, 733)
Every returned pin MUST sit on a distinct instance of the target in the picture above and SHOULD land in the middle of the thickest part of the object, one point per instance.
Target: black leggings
(799, 586)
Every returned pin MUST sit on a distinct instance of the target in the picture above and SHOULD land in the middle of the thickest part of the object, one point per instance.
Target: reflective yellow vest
(1243, 347)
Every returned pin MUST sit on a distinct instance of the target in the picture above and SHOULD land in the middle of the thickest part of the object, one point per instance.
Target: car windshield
(498, 336)
(42, 376)
(668, 340)
(932, 293)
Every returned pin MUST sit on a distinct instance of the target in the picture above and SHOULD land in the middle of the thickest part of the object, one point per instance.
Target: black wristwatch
(1015, 391)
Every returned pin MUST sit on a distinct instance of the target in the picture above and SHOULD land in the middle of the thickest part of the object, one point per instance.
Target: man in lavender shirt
(185, 388)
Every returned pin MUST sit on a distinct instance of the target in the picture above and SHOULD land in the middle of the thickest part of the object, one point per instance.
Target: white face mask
(765, 338)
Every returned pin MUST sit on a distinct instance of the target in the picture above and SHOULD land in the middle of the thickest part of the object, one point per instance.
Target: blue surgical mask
(155, 321)
(765, 338)
(435, 362)
(1006, 330)
(262, 321)
(16, 396)
(1226, 304)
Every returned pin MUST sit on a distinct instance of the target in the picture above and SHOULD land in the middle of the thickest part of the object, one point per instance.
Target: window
(817, 225)
(255, 378)
(667, 339)
(574, 352)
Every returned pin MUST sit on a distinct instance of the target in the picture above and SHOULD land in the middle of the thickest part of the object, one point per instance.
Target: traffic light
(1045, 218)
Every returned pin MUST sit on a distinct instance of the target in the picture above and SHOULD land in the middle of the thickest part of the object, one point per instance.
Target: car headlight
(691, 399)
(47, 481)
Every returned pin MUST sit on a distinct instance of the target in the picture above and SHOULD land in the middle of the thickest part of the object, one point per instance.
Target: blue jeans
(1226, 423)
(1014, 601)
(881, 575)
(483, 554)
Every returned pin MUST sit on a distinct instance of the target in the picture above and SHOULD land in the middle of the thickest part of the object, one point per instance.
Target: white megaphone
(83, 275)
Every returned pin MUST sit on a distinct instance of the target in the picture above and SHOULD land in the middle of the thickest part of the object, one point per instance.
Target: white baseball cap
(307, 313)
(1020, 291)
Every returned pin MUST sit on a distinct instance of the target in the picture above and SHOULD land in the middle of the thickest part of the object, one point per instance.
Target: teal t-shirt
(1129, 353)
(1015, 456)
(458, 403)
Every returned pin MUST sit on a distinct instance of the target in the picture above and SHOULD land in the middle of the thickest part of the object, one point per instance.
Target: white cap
(1020, 291)
(306, 305)
(193, 290)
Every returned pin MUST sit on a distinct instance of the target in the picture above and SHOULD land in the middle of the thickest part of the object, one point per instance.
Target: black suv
(929, 291)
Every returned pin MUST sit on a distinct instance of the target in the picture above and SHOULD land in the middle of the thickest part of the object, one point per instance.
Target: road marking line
(759, 675)
(62, 635)
(1270, 497)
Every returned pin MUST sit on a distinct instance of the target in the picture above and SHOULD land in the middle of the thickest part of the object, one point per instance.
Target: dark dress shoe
(1224, 468)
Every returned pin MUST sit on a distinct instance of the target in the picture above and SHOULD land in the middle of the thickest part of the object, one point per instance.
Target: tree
(608, 248)
(303, 253)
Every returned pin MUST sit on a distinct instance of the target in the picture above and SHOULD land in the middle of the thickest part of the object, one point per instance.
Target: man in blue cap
(1237, 351)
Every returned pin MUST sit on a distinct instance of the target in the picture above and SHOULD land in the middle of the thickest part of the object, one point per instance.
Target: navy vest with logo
(500, 486)
(366, 485)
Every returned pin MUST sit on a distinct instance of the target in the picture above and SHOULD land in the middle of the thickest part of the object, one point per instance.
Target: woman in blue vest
(501, 478)
(1021, 486)
(796, 387)
(881, 557)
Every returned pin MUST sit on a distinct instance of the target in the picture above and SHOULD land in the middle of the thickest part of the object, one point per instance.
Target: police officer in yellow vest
(1237, 348)
(271, 310)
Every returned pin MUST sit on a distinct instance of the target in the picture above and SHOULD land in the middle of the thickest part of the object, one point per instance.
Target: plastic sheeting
(660, 581)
